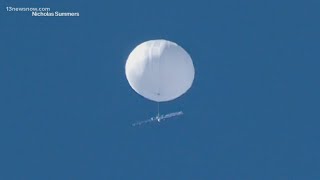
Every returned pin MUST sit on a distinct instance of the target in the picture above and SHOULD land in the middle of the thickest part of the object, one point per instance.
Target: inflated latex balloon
(159, 70)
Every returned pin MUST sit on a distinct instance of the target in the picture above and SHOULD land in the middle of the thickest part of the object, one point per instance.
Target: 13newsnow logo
(41, 11)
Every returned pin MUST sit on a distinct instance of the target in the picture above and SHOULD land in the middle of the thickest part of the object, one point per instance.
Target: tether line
(158, 109)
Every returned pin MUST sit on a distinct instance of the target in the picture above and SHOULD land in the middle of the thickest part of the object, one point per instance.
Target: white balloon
(159, 70)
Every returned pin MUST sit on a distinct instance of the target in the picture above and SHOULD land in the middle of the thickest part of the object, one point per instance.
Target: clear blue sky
(252, 114)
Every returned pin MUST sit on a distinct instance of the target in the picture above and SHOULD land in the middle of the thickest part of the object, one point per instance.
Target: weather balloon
(159, 70)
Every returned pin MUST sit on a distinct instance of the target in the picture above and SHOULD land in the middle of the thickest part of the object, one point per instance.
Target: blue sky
(66, 107)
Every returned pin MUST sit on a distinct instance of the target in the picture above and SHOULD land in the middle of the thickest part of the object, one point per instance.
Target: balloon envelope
(159, 70)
